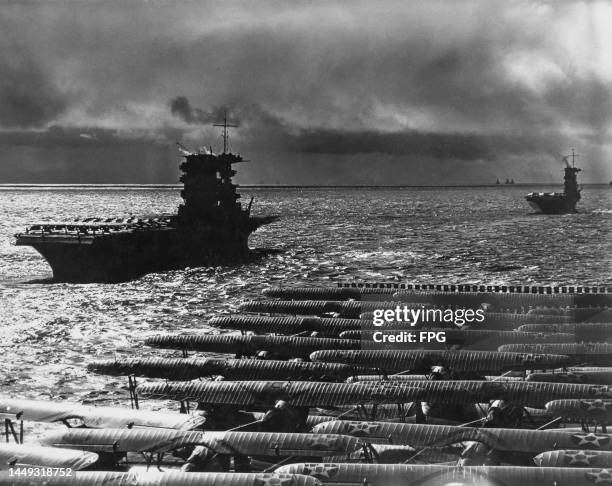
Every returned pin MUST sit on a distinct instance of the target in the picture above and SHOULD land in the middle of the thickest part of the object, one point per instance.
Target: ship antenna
(574, 155)
(225, 126)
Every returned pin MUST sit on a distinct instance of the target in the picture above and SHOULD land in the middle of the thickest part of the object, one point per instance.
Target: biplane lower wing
(167, 478)
(273, 444)
(436, 475)
(94, 417)
(19, 455)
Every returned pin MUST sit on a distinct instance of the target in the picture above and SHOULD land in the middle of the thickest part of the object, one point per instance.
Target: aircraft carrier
(211, 227)
(559, 202)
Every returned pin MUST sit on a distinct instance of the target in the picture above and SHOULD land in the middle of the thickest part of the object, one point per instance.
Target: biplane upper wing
(594, 409)
(472, 339)
(597, 354)
(425, 435)
(289, 346)
(231, 369)
(500, 301)
(574, 458)
(267, 393)
(328, 327)
(575, 376)
(327, 293)
(395, 361)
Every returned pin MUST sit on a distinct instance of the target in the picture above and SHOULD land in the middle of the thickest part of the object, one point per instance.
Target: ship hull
(116, 258)
(549, 204)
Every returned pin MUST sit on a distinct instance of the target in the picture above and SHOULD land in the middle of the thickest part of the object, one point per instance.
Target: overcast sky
(389, 92)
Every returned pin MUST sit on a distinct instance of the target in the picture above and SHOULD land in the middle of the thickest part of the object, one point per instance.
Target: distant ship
(559, 202)
(211, 227)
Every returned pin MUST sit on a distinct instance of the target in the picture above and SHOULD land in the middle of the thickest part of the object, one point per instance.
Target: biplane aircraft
(499, 301)
(596, 354)
(532, 394)
(428, 377)
(504, 302)
(474, 339)
(329, 293)
(117, 443)
(310, 394)
(601, 376)
(19, 455)
(249, 345)
(594, 411)
(356, 309)
(321, 326)
(354, 328)
(230, 369)
(572, 375)
(493, 321)
(75, 415)
(583, 331)
(399, 361)
(576, 314)
(383, 412)
(165, 478)
(265, 394)
(574, 458)
(511, 445)
(442, 475)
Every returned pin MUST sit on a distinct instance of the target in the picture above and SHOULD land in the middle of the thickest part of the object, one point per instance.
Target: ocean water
(48, 332)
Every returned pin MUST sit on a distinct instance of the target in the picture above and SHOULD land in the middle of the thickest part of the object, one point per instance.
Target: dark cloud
(262, 129)
(442, 81)
(89, 155)
(181, 108)
(27, 97)
(434, 145)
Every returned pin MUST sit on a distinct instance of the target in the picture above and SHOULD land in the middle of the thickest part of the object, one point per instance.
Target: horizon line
(286, 186)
